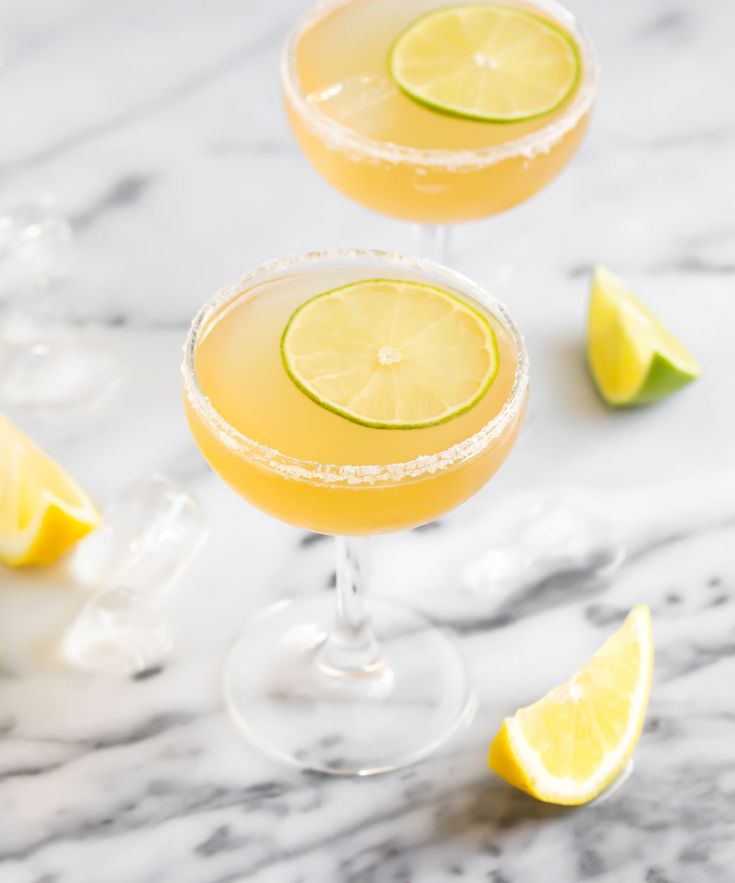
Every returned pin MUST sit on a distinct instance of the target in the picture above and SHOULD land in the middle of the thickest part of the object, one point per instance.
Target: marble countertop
(160, 130)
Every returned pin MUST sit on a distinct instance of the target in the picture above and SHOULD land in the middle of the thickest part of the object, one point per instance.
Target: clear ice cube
(148, 537)
(368, 102)
(573, 533)
(118, 632)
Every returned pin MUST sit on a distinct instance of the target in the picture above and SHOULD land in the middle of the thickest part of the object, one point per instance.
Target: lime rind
(473, 114)
(451, 414)
(626, 339)
(663, 378)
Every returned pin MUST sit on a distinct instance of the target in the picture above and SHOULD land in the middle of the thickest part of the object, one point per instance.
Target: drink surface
(342, 63)
(240, 371)
(336, 74)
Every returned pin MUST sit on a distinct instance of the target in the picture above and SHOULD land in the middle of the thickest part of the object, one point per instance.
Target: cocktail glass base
(57, 373)
(291, 704)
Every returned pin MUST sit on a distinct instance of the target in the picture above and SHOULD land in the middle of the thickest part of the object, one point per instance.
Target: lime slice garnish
(487, 62)
(390, 354)
(633, 357)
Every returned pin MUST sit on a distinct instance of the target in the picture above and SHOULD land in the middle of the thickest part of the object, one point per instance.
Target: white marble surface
(159, 128)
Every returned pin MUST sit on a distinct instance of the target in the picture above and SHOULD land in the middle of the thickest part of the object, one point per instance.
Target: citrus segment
(634, 359)
(43, 512)
(390, 354)
(487, 62)
(571, 744)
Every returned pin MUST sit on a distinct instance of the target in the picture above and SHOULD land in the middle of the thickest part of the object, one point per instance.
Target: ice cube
(573, 533)
(494, 569)
(148, 537)
(366, 102)
(118, 632)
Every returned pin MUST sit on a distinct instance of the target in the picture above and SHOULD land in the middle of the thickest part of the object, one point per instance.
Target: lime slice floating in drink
(487, 62)
(390, 354)
(633, 358)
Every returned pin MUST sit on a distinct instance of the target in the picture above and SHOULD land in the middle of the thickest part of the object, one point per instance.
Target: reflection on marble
(159, 128)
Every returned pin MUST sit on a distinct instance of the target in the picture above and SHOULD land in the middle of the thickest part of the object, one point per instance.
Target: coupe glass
(433, 186)
(45, 363)
(329, 683)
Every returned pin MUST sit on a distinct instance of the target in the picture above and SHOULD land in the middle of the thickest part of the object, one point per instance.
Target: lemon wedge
(390, 353)
(43, 512)
(571, 744)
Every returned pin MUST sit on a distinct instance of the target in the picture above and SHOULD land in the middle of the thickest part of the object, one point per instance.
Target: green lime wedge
(634, 359)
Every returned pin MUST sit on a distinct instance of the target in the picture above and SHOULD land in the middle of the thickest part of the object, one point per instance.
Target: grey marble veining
(159, 128)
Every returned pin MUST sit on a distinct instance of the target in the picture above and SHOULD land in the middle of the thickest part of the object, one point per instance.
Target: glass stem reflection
(351, 647)
(433, 241)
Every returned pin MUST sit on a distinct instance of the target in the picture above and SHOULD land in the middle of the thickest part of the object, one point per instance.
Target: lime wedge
(634, 359)
(390, 354)
(487, 62)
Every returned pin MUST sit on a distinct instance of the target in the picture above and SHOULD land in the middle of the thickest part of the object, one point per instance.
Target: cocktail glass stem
(351, 647)
(433, 241)
(45, 363)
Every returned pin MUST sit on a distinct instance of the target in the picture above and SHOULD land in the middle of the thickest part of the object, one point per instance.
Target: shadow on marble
(55, 597)
(491, 808)
(42, 575)
(565, 363)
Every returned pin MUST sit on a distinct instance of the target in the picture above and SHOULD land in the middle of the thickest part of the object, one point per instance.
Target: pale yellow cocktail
(398, 157)
(327, 473)
(352, 393)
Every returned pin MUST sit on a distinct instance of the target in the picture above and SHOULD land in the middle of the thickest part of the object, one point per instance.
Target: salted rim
(329, 473)
(339, 137)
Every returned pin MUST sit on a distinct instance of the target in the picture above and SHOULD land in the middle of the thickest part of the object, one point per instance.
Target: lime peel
(440, 61)
(391, 353)
(634, 359)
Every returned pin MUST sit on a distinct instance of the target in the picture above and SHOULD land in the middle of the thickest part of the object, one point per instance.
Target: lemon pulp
(571, 744)
(43, 511)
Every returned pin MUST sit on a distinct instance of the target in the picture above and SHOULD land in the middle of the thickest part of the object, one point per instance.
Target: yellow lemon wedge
(486, 62)
(390, 353)
(571, 744)
(43, 512)
(634, 359)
